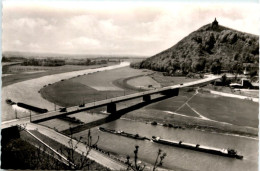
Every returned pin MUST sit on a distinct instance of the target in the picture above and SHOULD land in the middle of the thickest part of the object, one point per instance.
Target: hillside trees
(186, 66)
(236, 67)
(198, 64)
(216, 67)
(209, 42)
(139, 167)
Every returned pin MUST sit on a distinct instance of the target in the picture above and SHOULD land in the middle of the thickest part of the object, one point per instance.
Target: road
(15, 122)
(93, 155)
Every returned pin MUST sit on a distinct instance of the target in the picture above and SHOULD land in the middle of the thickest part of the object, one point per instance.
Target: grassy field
(103, 81)
(70, 93)
(172, 104)
(223, 109)
(160, 117)
(144, 82)
(226, 109)
(92, 87)
(168, 80)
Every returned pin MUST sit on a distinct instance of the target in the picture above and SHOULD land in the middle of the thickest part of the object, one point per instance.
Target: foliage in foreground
(139, 167)
(34, 156)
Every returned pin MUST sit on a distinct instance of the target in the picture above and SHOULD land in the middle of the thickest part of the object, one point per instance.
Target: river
(176, 157)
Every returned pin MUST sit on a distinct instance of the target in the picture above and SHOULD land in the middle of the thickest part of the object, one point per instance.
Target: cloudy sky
(113, 28)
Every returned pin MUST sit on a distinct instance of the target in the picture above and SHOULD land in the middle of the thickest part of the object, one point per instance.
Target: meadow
(169, 80)
(144, 82)
(213, 107)
(103, 81)
(92, 87)
(226, 109)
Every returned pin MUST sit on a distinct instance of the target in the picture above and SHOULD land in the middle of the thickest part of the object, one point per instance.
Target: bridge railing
(95, 104)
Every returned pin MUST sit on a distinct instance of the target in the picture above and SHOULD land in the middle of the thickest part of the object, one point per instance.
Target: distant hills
(211, 48)
(15, 54)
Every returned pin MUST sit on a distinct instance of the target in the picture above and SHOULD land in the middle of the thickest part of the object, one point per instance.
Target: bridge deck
(92, 105)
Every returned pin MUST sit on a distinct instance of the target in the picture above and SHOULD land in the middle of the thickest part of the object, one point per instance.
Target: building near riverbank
(245, 83)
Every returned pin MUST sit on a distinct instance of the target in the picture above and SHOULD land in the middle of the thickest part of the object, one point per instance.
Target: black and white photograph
(130, 85)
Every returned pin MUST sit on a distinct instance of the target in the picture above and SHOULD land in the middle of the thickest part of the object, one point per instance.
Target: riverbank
(186, 122)
(250, 93)
(254, 99)
(175, 121)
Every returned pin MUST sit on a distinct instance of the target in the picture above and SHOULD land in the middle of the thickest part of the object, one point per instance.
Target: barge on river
(222, 152)
(32, 108)
(122, 133)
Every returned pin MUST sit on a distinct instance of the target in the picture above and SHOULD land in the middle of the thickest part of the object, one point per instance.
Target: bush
(154, 123)
(43, 62)
(170, 125)
(165, 125)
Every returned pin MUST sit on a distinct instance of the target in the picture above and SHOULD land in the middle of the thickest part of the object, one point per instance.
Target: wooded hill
(211, 48)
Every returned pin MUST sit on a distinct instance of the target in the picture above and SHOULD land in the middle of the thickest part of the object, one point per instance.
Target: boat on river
(122, 133)
(10, 102)
(222, 152)
(32, 108)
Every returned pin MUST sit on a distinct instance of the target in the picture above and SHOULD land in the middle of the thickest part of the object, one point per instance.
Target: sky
(113, 28)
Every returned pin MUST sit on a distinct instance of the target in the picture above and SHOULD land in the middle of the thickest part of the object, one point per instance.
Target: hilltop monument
(214, 24)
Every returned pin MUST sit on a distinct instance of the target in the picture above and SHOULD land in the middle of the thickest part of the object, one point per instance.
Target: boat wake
(19, 109)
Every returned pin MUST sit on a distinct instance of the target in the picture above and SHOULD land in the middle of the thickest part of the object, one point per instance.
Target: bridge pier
(147, 98)
(111, 108)
(171, 92)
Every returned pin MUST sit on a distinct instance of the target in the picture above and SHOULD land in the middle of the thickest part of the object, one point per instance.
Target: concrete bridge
(110, 103)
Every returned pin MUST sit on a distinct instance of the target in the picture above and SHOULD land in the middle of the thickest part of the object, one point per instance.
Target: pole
(15, 112)
(30, 116)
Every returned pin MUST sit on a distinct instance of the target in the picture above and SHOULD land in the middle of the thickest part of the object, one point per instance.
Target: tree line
(199, 65)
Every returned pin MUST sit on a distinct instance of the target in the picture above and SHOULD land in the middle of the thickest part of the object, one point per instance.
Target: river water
(177, 158)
